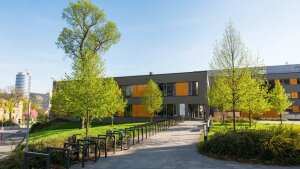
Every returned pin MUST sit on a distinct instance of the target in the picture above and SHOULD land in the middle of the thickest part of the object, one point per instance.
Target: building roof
(289, 68)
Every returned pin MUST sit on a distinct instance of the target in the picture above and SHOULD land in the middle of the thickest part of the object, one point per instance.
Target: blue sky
(161, 36)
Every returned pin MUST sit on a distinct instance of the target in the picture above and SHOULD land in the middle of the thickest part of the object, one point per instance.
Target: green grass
(60, 131)
(219, 127)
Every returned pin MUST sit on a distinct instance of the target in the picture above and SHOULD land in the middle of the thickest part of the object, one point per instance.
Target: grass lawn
(219, 127)
(60, 131)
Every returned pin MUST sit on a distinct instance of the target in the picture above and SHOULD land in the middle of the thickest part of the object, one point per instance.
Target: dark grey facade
(289, 77)
(183, 104)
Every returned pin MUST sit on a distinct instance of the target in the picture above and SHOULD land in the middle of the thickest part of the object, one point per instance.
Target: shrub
(279, 145)
(8, 123)
(40, 125)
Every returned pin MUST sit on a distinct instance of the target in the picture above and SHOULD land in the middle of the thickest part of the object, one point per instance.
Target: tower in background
(23, 83)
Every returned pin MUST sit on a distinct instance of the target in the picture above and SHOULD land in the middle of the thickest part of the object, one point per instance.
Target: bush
(279, 145)
(40, 125)
(8, 123)
(229, 120)
(270, 119)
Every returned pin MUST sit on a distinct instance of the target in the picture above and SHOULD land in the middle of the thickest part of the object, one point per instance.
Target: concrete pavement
(173, 149)
(12, 138)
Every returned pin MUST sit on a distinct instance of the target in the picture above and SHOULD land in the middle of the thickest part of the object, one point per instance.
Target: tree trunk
(112, 120)
(82, 122)
(250, 118)
(280, 118)
(87, 124)
(223, 118)
(10, 116)
(233, 118)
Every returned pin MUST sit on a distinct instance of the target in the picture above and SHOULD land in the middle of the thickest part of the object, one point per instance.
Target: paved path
(12, 139)
(172, 149)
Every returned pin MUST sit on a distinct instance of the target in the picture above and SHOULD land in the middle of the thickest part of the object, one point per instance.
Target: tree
(2, 105)
(218, 95)
(12, 99)
(85, 93)
(255, 98)
(278, 100)
(89, 35)
(152, 99)
(89, 30)
(116, 103)
(232, 60)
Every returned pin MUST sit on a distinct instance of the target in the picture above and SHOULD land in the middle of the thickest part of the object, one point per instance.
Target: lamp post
(28, 114)
(205, 132)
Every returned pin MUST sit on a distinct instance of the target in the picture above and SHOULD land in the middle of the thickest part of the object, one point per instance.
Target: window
(128, 111)
(162, 88)
(170, 89)
(295, 109)
(168, 110)
(294, 95)
(285, 81)
(193, 88)
(171, 110)
(293, 81)
(128, 91)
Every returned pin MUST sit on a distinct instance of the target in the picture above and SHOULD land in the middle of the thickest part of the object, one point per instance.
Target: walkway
(172, 149)
(12, 139)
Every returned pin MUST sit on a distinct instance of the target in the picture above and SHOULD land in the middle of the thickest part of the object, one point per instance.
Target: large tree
(85, 92)
(11, 99)
(152, 99)
(232, 60)
(87, 36)
(278, 100)
(88, 30)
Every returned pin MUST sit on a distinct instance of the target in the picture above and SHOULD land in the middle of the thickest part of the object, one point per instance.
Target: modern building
(185, 94)
(23, 83)
(289, 77)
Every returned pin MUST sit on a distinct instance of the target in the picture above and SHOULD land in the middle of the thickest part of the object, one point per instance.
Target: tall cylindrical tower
(23, 83)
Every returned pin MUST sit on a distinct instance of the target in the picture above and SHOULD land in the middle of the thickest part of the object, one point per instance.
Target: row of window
(167, 89)
(293, 81)
(293, 95)
(294, 109)
(168, 110)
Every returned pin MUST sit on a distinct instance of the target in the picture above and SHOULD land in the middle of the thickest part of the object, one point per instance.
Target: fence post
(138, 129)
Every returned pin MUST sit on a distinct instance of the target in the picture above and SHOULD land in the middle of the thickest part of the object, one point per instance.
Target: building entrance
(197, 111)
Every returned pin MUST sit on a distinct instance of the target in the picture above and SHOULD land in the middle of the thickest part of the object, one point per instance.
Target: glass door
(197, 111)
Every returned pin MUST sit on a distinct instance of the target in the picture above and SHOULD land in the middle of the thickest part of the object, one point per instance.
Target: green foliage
(278, 100)
(278, 145)
(9, 123)
(116, 102)
(231, 61)
(152, 99)
(219, 94)
(10, 99)
(88, 31)
(84, 93)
